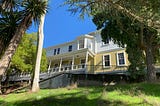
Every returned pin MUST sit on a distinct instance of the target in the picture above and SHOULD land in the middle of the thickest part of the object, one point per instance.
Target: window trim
(83, 64)
(104, 61)
(124, 59)
(69, 50)
(58, 50)
(55, 51)
(81, 43)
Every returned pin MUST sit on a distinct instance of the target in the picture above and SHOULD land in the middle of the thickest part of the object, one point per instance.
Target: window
(83, 63)
(106, 60)
(89, 44)
(70, 48)
(58, 50)
(81, 44)
(55, 50)
(121, 59)
(106, 41)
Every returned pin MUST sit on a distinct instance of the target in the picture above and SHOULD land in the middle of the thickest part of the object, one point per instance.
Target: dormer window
(81, 43)
(70, 48)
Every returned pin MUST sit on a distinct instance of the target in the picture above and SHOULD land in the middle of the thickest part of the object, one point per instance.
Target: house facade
(87, 54)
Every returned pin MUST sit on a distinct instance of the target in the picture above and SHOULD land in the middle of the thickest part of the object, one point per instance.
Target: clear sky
(61, 26)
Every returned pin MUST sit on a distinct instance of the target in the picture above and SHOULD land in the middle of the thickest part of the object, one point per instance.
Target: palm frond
(36, 8)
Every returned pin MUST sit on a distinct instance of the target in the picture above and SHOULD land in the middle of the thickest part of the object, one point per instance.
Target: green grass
(141, 94)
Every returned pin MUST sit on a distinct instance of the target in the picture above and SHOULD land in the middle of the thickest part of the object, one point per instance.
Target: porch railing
(68, 68)
(92, 68)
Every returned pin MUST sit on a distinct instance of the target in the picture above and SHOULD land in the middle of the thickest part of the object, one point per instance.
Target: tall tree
(8, 24)
(35, 86)
(30, 10)
(146, 12)
(25, 55)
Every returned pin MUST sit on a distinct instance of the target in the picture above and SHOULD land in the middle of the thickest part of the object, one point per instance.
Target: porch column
(85, 43)
(49, 67)
(72, 63)
(60, 65)
(77, 44)
(86, 59)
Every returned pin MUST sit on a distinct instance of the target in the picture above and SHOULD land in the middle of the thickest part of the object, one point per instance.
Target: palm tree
(30, 10)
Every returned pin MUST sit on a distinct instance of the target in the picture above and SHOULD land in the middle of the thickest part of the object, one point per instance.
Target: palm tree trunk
(35, 84)
(9, 52)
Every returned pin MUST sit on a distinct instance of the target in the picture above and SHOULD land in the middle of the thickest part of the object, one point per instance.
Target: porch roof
(78, 53)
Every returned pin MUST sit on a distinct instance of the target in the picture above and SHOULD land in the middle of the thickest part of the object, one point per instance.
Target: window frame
(118, 64)
(70, 49)
(81, 44)
(104, 66)
(55, 51)
(83, 63)
(58, 50)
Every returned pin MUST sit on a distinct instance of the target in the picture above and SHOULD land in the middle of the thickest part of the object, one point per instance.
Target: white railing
(67, 68)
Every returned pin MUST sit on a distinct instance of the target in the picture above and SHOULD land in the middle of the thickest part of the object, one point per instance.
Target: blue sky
(61, 26)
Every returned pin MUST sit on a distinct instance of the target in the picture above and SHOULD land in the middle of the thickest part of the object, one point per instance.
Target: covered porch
(76, 61)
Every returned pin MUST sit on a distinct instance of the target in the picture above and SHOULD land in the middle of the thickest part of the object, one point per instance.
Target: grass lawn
(141, 94)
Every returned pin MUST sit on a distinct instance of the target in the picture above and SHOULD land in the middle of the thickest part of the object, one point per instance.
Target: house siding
(113, 61)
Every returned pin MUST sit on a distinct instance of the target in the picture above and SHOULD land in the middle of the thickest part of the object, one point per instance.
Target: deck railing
(80, 68)
(67, 68)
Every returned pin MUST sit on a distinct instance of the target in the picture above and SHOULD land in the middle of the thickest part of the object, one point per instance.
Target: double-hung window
(58, 50)
(83, 63)
(55, 51)
(121, 59)
(81, 44)
(106, 61)
(70, 48)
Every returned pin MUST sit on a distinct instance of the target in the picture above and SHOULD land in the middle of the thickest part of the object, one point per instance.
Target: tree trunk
(1, 46)
(0, 84)
(151, 71)
(9, 52)
(35, 86)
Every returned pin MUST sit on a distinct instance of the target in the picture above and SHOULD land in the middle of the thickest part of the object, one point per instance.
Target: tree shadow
(81, 98)
(149, 89)
(67, 99)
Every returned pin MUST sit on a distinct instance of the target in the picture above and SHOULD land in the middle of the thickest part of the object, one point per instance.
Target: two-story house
(87, 54)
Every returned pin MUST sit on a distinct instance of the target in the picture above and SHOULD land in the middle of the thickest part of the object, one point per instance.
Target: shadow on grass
(80, 98)
(71, 101)
(145, 88)
(86, 96)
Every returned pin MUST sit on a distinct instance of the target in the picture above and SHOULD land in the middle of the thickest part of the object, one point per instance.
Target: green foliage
(24, 58)
(125, 33)
(141, 94)
(36, 11)
(13, 12)
(132, 22)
